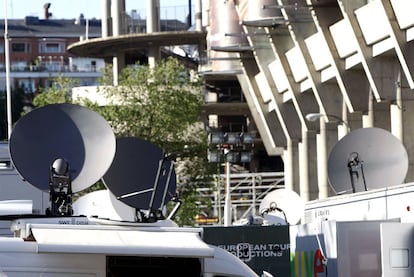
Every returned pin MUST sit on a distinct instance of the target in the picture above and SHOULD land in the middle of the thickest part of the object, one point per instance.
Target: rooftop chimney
(46, 10)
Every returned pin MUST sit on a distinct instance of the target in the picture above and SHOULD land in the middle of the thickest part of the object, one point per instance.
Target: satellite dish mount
(355, 165)
(60, 187)
(273, 208)
(163, 169)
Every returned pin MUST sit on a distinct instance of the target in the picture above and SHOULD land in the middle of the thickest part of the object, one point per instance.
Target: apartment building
(38, 51)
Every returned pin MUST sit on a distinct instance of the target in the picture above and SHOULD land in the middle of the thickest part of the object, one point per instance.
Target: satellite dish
(367, 158)
(57, 134)
(133, 173)
(103, 204)
(282, 206)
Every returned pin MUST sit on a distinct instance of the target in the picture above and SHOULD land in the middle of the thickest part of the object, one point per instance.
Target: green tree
(159, 104)
(59, 91)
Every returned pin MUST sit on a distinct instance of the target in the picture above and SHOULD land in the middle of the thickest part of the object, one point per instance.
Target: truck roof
(114, 240)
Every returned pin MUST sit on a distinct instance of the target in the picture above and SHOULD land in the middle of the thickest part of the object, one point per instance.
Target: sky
(68, 9)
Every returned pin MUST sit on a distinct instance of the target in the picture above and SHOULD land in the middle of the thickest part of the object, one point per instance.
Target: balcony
(86, 65)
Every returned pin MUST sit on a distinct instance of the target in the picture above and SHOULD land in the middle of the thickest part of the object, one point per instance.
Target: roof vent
(31, 20)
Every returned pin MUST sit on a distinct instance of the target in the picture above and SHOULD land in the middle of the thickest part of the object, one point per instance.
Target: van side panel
(15, 264)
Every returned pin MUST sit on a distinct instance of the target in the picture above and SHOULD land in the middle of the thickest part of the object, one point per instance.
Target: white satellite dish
(367, 158)
(281, 207)
(103, 204)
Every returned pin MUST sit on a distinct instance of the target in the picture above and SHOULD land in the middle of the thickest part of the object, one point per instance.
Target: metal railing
(247, 192)
(172, 18)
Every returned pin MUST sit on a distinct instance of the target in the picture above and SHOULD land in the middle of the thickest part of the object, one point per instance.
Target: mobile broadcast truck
(122, 230)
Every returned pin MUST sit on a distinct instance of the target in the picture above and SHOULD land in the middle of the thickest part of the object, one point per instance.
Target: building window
(400, 258)
(52, 47)
(27, 85)
(93, 66)
(233, 123)
(20, 47)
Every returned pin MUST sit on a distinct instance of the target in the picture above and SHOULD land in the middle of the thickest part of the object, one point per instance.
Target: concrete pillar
(118, 61)
(198, 16)
(344, 128)
(396, 112)
(122, 17)
(325, 141)
(308, 175)
(291, 166)
(115, 70)
(106, 15)
(153, 25)
(304, 166)
(322, 158)
(115, 32)
(288, 165)
(153, 18)
(153, 56)
(296, 172)
(368, 119)
(115, 12)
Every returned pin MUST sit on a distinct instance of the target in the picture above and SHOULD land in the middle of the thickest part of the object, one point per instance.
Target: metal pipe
(7, 64)
(227, 201)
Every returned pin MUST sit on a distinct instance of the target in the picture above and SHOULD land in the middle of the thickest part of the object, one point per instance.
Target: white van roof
(115, 240)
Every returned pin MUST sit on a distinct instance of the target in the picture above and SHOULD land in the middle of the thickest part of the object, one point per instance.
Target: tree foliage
(159, 104)
(59, 91)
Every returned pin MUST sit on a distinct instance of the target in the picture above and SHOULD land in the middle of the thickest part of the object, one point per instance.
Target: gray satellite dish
(58, 133)
(281, 207)
(133, 173)
(367, 158)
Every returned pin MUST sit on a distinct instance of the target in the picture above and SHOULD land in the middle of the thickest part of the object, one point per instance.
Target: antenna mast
(7, 64)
